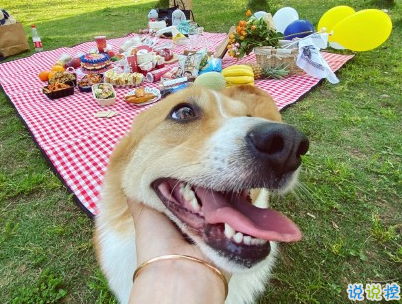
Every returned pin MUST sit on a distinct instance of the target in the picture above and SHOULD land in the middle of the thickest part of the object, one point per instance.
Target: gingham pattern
(78, 144)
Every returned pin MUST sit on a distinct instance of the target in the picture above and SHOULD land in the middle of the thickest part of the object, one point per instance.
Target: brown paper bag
(13, 39)
(221, 49)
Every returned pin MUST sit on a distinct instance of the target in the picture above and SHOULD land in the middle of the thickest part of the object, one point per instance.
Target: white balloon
(336, 45)
(283, 17)
(260, 14)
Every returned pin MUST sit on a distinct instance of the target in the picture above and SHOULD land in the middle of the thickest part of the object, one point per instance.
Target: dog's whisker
(303, 190)
(174, 187)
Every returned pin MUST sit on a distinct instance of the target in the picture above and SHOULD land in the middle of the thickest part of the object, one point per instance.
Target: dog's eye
(183, 112)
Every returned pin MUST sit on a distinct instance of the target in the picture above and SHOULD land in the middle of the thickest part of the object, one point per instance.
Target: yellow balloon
(363, 31)
(334, 16)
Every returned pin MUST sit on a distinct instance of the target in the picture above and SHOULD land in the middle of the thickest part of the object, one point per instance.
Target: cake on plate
(95, 63)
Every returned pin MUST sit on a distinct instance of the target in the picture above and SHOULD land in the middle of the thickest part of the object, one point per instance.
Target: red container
(156, 75)
(132, 61)
(101, 43)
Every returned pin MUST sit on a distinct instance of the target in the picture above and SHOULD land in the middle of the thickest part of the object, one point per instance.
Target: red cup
(101, 43)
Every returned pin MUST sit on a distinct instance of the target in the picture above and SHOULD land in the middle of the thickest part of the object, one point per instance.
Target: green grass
(348, 205)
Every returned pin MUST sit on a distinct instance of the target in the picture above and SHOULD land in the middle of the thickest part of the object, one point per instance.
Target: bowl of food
(143, 96)
(86, 82)
(104, 94)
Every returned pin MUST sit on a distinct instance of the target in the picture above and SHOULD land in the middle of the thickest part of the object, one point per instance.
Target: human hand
(156, 235)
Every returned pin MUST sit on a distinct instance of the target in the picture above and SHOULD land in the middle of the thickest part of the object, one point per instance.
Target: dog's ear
(259, 103)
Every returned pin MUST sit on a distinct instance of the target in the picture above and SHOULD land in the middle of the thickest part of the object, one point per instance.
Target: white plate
(147, 90)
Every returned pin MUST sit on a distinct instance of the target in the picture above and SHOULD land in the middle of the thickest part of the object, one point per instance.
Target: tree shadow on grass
(112, 22)
(381, 4)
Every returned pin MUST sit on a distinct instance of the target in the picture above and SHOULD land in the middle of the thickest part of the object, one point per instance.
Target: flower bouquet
(255, 32)
(259, 35)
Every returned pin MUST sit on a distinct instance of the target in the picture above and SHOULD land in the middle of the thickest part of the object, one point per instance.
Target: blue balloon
(298, 29)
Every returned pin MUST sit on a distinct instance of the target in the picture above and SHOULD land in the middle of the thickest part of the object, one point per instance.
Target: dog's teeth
(256, 241)
(195, 205)
(183, 187)
(238, 237)
(247, 239)
(189, 196)
(229, 231)
(187, 193)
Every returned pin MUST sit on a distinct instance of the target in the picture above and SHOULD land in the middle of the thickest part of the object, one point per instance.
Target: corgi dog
(208, 161)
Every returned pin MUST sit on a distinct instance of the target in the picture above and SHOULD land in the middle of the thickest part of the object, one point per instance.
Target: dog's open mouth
(227, 221)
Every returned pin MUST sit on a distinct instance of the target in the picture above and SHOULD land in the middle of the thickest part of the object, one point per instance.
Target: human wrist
(179, 279)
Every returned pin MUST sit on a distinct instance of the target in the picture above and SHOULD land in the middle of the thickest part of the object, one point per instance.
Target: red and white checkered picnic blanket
(78, 144)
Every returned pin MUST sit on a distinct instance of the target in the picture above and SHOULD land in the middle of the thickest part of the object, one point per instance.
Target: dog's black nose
(278, 144)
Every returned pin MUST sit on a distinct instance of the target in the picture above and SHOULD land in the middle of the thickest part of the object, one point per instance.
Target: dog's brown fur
(154, 136)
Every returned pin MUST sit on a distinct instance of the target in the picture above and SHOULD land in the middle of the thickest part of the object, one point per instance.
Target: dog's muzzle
(226, 219)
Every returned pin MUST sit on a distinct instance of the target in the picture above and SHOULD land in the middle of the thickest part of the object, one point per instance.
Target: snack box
(64, 77)
(104, 94)
(85, 84)
(59, 93)
(118, 78)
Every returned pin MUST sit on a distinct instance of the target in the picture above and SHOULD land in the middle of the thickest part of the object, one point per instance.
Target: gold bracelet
(186, 257)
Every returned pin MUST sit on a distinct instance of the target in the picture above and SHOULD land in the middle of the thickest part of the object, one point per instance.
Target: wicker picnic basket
(269, 58)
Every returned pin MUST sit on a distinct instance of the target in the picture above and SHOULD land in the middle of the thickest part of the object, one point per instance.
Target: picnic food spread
(152, 64)
(143, 60)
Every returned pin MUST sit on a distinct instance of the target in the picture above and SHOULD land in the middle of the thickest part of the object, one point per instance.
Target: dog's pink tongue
(242, 216)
